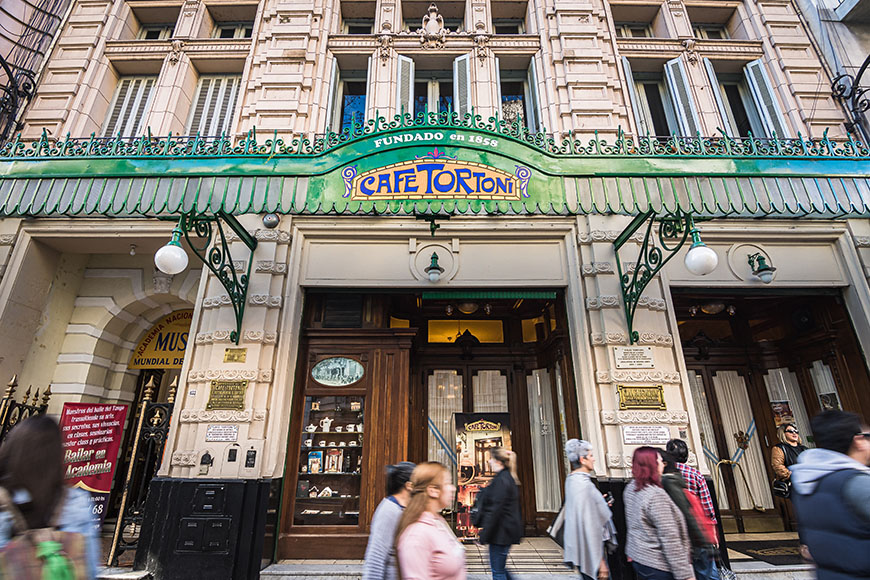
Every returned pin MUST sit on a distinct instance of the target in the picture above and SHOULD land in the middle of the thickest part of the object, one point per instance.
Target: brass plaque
(644, 397)
(235, 355)
(227, 396)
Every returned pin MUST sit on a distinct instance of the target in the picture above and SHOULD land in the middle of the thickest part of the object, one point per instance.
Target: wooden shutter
(636, 109)
(405, 86)
(532, 109)
(681, 95)
(498, 95)
(129, 106)
(765, 99)
(462, 85)
(333, 99)
(724, 112)
(367, 105)
(212, 111)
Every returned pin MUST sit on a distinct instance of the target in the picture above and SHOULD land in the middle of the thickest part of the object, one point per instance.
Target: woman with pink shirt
(427, 547)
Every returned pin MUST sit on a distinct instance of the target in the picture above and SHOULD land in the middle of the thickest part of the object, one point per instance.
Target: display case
(329, 479)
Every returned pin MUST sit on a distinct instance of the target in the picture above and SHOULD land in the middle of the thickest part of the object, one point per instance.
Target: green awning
(441, 169)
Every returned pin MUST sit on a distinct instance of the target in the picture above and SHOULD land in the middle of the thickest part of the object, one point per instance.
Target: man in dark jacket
(831, 496)
(500, 517)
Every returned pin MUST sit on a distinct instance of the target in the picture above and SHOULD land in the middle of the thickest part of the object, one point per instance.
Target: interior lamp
(171, 259)
(433, 270)
(760, 267)
(700, 260)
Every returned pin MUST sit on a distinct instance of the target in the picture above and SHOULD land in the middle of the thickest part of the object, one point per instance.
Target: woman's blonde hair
(506, 458)
(424, 475)
(780, 433)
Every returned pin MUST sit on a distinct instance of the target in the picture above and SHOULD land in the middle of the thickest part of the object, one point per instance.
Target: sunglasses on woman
(795, 431)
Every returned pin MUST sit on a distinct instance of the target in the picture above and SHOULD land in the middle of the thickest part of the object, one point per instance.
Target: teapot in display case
(311, 428)
(326, 423)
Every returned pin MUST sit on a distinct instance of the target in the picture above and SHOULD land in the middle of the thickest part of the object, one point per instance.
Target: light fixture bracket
(673, 231)
(211, 247)
(760, 267)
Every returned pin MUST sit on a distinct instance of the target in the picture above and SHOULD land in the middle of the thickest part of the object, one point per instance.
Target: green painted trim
(486, 295)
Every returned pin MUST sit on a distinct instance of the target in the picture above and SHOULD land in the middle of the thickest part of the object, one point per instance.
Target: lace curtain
(826, 388)
(708, 437)
(782, 385)
(445, 399)
(489, 392)
(753, 488)
(545, 455)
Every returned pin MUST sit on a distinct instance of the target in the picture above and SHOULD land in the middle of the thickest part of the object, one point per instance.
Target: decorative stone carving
(161, 282)
(385, 42)
(596, 268)
(260, 415)
(689, 47)
(638, 376)
(271, 267)
(645, 338)
(7, 239)
(644, 417)
(183, 458)
(278, 236)
(433, 33)
(618, 461)
(605, 236)
(220, 336)
(203, 338)
(175, 54)
(260, 336)
(203, 416)
(860, 241)
(216, 301)
(603, 339)
(240, 266)
(652, 338)
(612, 301)
(481, 40)
(264, 300)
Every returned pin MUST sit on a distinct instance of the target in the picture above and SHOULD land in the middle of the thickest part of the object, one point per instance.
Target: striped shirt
(657, 535)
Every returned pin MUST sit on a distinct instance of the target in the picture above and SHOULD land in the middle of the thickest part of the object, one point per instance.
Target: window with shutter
(333, 100)
(639, 117)
(721, 102)
(462, 84)
(765, 100)
(212, 110)
(129, 106)
(532, 108)
(681, 97)
(405, 85)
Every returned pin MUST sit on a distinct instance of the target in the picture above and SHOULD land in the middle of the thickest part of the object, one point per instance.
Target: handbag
(557, 529)
(781, 488)
(725, 573)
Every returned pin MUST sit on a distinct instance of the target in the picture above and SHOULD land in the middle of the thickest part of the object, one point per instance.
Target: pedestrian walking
(702, 534)
(831, 496)
(501, 521)
(784, 455)
(657, 541)
(587, 515)
(427, 548)
(40, 513)
(380, 557)
(695, 482)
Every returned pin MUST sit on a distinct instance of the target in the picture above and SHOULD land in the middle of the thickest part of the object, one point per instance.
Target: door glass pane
(489, 390)
(783, 387)
(545, 455)
(826, 388)
(445, 399)
(708, 438)
(741, 433)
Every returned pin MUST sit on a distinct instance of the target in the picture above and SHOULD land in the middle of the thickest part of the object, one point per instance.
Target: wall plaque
(645, 434)
(222, 433)
(634, 357)
(235, 355)
(227, 396)
(644, 397)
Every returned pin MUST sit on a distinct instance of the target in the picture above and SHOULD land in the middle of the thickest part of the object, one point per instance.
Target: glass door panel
(489, 392)
(445, 399)
(545, 454)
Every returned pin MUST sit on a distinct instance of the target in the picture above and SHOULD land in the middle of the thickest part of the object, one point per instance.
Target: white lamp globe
(766, 276)
(701, 260)
(171, 259)
(434, 275)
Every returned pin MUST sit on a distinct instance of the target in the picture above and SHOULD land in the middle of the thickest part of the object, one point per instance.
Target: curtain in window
(782, 385)
(708, 437)
(445, 399)
(753, 487)
(545, 454)
(826, 388)
(489, 392)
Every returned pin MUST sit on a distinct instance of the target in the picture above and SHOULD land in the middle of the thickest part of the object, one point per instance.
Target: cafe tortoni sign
(436, 175)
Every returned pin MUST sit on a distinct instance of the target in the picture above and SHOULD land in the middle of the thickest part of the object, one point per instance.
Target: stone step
(123, 574)
(763, 571)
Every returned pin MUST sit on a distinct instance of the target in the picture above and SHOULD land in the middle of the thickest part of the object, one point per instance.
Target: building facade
(424, 213)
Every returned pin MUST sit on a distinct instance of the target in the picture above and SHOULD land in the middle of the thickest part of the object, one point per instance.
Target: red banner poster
(91, 438)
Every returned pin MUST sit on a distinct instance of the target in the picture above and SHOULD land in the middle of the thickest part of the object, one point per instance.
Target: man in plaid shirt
(695, 482)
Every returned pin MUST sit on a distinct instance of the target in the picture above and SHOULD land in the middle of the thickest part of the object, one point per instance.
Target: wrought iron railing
(149, 440)
(248, 145)
(849, 90)
(12, 412)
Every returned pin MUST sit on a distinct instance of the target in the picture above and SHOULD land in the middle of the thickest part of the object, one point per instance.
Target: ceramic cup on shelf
(353, 444)
(321, 443)
(309, 442)
(338, 429)
(359, 427)
(342, 444)
(351, 428)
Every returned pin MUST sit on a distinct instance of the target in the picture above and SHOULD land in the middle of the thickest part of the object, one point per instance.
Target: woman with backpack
(500, 519)
(702, 534)
(46, 528)
(380, 558)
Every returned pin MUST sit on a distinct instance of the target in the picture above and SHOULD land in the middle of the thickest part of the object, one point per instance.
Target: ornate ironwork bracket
(848, 89)
(214, 251)
(673, 231)
(431, 219)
